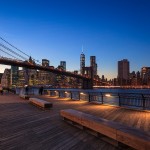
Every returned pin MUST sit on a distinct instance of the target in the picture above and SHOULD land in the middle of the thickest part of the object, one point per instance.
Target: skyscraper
(93, 64)
(45, 62)
(14, 75)
(82, 63)
(63, 64)
(123, 72)
(5, 81)
(145, 74)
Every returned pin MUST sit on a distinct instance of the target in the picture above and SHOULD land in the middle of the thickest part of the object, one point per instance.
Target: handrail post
(64, 94)
(79, 95)
(70, 95)
(102, 97)
(89, 97)
(143, 98)
(119, 99)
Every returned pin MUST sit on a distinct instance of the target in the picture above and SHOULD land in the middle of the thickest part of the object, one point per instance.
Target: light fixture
(107, 95)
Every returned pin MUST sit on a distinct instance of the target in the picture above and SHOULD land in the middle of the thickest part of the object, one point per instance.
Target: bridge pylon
(87, 84)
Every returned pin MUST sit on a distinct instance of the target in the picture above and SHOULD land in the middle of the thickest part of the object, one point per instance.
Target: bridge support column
(87, 84)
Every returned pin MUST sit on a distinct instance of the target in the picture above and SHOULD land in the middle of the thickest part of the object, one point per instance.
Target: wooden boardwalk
(26, 127)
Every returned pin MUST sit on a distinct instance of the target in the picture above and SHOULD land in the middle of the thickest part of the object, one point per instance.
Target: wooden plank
(126, 135)
(35, 129)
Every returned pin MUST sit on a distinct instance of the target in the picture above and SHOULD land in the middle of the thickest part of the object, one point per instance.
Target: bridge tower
(87, 83)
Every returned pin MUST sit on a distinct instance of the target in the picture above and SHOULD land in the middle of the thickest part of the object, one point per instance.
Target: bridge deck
(23, 126)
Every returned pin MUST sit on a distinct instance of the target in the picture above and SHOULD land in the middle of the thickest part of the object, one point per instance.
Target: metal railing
(132, 100)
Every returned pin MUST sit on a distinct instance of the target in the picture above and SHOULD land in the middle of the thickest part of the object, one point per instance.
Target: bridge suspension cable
(10, 50)
(18, 50)
(14, 47)
(7, 53)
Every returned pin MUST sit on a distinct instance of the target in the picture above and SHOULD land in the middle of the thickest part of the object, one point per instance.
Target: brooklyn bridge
(11, 55)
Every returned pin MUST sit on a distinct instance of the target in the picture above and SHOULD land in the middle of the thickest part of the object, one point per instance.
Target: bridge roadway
(24, 126)
(86, 84)
(29, 65)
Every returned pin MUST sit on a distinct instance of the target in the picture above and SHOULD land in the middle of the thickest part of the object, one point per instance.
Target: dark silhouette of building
(123, 72)
(1, 74)
(145, 74)
(45, 62)
(5, 80)
(14, 75)
(82, 63)
(63, 64)
(93, 65)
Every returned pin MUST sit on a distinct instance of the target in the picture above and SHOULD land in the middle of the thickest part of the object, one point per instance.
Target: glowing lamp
(107, 95)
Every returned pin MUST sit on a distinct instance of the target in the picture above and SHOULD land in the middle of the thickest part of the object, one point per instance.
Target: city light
(82, 93)
(107, 95)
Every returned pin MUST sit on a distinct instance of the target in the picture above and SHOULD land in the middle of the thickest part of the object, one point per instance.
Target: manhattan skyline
(56, 30)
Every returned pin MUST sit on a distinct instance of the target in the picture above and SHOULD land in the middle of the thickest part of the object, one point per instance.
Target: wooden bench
(120, 133)
(24, 96)
(40, 103)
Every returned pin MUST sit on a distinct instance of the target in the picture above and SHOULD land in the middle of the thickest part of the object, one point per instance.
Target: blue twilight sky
(56, 30)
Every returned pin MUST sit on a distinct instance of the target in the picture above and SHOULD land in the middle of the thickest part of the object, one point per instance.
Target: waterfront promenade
(23, 126)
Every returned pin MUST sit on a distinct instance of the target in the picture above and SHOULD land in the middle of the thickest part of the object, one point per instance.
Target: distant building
(29, 76)
(75, 71)
(63, 64)
(138, 75)
(21, 79)
(14, 75)
(123, 72)
(5, 81)
(1, 74)
(45, 78)
(93, 64)
(61, 80)
(82, 63)
(26, 72)
(45, 62)
(115, 82)
(32, 74)
(145, 75)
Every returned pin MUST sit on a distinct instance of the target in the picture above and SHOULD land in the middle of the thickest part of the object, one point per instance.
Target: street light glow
(81, 93)
(107, 95)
